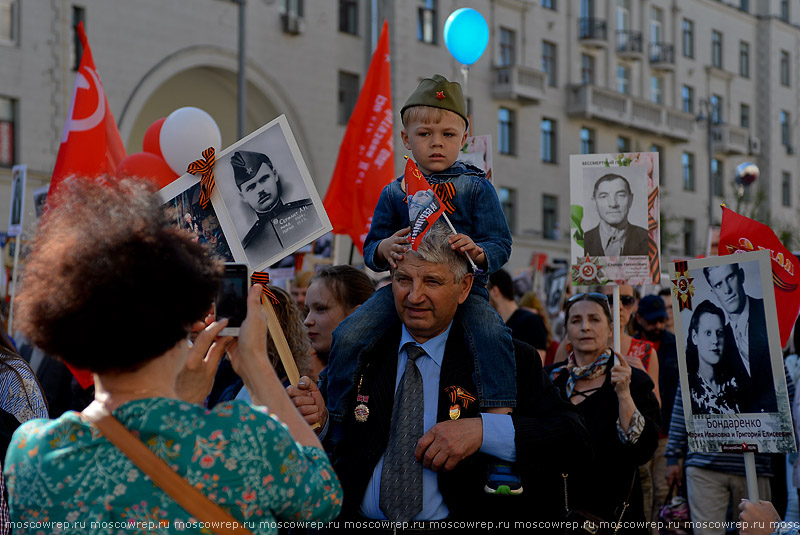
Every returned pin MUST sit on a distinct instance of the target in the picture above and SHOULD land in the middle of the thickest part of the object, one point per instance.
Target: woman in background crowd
(619, 408)
(334, 293)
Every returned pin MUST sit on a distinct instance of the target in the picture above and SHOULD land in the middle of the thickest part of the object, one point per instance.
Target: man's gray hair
(434, 249)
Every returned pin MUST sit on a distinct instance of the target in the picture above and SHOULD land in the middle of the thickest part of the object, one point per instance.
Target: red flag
(739, 233)
(90, 144)
(424, 206)
(366, 155)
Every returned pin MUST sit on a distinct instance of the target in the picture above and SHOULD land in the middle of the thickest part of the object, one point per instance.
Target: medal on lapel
(361, 411)
(458, 398)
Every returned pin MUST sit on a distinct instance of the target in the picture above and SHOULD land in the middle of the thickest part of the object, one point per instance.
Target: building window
(716, 109)
(687, 99)
(687, 171)
(786, 188)
(8, 146)
(348, 95)
(744, 59)
(688, 38)
(656, 25)
(657, 89)
(784, 10)
(587, 141)
(744, 115)
(550, 230)
(78, 16)
(786, 135)
(716, 177)
(587, 69)
(623, 79)
(548, 141)
(505, 132)
(508, 39)
(688, 237)
(623, 24)
(348, 16)
(716, 49)
(549, 4)
(426, 21)
(8, 21)
(744, 5)
(784, 69)
(549, 59)
(623, 144)
(293, 7)
(508, 201)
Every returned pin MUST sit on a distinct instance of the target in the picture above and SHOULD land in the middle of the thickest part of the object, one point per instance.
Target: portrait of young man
(746, 332)
(280, 224)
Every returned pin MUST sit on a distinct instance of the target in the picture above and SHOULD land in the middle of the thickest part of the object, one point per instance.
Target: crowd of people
(436, 399)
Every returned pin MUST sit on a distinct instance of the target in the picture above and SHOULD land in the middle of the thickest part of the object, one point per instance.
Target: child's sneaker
(502, 479)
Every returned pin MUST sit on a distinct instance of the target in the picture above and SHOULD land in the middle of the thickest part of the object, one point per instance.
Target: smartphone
(231, 300)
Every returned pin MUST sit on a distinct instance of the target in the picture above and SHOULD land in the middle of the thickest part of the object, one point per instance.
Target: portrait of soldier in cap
(280, 224)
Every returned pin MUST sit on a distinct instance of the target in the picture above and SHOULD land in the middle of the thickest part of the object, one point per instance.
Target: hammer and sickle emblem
(87, 79)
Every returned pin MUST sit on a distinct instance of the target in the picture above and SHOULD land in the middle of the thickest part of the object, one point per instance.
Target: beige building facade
(559, 77)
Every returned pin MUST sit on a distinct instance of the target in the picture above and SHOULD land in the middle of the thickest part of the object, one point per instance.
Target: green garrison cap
(246, 164)
(438, 92)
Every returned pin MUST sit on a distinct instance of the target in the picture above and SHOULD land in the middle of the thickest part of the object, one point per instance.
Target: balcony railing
(516, 82)
(629, 43)
(730, 139)
(591, 101)
(662, 55)
(590, 29)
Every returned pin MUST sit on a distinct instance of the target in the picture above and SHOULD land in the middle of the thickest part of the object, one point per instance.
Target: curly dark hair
(105, 263)
(349, 286)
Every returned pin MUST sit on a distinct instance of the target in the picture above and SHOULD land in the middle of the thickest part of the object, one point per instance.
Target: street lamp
(708, 109)
(241, 80)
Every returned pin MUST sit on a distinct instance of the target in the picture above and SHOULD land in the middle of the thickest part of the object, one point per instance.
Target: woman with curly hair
(113, 288)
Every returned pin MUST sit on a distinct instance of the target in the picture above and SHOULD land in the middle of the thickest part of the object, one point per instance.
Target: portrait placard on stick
(267, 203)
(614, 219)
(729, 355)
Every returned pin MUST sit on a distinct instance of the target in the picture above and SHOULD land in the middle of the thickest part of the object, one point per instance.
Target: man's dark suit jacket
(637, 242)
(757, 389)
(549, 434)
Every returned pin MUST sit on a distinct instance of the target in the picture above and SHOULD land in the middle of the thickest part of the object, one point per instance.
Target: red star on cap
(440, 95)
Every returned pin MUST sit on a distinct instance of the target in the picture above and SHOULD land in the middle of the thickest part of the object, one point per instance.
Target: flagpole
(471, 263)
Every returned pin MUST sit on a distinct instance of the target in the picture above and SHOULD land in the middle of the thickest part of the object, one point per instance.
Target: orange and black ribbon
(204, 166)
(445, 191)
(652, 224)
(459, 395)
(262, 278)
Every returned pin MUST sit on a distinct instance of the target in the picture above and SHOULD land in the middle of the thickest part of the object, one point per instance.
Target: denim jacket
(477, 214)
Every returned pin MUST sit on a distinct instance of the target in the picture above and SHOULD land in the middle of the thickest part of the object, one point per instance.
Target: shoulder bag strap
(192, 500)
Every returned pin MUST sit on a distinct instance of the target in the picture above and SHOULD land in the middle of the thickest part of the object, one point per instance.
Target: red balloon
(150, 143)
(146, 165)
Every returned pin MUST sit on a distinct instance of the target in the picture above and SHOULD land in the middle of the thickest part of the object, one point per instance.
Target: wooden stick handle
(276, 332)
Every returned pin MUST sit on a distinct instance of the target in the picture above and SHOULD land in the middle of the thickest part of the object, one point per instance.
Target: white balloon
(185, 134)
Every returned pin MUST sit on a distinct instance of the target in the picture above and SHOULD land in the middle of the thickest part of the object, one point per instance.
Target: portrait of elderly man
(746, 331)
(615, 235)
(413, 437)
(280, 224)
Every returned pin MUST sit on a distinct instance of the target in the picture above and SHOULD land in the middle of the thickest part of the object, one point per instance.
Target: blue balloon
(466, 35)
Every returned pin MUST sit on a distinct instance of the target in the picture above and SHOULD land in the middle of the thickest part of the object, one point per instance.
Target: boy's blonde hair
(426, 115)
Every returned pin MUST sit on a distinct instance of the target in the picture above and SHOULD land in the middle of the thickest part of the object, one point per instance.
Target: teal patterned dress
(239, 456)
